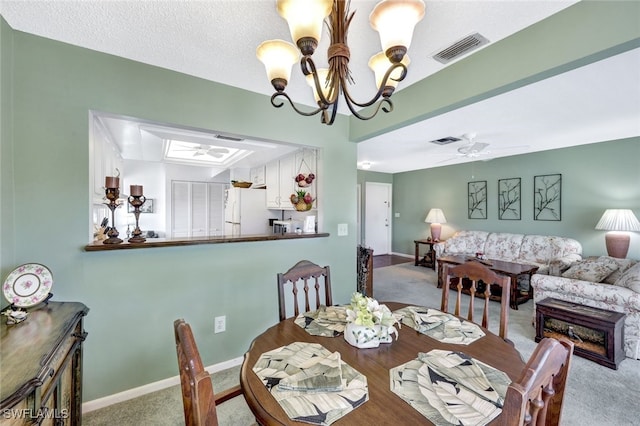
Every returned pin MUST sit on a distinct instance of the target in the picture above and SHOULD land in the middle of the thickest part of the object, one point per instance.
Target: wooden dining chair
(474, 272)
(309, 277)
(198, 399)
(536, 398)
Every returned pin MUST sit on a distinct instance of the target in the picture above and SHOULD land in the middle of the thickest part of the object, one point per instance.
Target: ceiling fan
(476, 150)
(473, 149)
(199, 150)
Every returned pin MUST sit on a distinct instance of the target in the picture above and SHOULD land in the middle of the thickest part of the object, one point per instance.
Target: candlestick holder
(112, 195)
(137, 201)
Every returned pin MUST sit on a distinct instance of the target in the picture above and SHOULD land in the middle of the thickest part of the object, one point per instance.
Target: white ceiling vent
(229, 138)
(460, 48)
(445, 141)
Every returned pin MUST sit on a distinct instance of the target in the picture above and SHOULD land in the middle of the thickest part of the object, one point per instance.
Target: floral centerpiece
(369, 323)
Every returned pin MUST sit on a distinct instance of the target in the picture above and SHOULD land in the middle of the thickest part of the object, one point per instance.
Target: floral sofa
(600, 282)
(543, 251)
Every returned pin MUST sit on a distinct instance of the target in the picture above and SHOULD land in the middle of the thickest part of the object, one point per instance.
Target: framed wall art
(547, 197)
(147, 207)
(477, 199)
(509, 199)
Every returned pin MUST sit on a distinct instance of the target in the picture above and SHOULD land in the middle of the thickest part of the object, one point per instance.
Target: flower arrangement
(368, 312)
(369, 323)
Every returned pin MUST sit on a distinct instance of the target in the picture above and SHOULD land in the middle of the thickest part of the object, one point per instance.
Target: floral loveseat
(602, 282)
(540, 250)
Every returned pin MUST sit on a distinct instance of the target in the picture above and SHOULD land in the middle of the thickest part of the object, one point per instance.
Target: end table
(429, 258)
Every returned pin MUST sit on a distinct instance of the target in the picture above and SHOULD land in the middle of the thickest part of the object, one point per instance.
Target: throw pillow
(631, 278)
(623, 265)
(594, 270)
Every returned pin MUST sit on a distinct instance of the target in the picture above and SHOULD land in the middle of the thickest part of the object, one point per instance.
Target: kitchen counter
(170, 242)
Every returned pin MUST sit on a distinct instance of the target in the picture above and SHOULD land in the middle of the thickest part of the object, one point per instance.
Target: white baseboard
(151, 387)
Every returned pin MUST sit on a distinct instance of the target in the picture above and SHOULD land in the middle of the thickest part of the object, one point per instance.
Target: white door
(377, 222)
(197, 209)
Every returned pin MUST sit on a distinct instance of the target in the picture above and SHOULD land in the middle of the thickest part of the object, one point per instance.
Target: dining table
(383, 407)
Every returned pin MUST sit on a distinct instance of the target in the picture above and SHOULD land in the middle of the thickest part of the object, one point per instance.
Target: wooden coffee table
(511, 269)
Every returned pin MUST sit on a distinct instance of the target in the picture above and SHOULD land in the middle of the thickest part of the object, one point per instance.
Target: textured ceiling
(216, 40)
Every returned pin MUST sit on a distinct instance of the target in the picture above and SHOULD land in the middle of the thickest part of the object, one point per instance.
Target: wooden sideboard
(41, 379)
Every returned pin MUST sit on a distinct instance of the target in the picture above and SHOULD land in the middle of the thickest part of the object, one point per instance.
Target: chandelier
(393, 19)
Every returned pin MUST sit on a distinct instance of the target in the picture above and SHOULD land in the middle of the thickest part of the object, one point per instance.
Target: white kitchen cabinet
(272, 179)
(107, 161)
(279, 176)
(258, 176)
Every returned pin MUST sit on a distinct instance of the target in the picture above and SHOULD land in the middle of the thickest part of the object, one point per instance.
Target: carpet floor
(595, 395)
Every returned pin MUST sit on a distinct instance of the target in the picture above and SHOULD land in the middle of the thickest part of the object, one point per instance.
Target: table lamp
(618, 222)
(436, 218)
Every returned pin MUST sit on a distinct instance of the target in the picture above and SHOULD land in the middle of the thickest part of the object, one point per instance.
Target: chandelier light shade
(379, 63)
(393, 19)
(278, 57)
(304, 18)
(436, 218)
(618, 222)
(323, 73)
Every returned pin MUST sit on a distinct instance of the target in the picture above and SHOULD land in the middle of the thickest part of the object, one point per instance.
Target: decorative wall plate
(28, 285)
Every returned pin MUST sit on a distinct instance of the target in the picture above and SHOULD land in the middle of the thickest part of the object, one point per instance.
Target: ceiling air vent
(229, 138)
(445, 141)
(460, 48)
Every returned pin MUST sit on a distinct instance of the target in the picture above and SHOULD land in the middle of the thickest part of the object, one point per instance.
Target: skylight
(203, 154)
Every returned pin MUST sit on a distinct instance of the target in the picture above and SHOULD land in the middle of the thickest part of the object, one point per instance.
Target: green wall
(595, 177)
(134, 295)
(6, 148)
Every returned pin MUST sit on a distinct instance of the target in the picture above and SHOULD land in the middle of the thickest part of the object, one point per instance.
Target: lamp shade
(380, 64)
(435, 216)
(618, 220)
(305, 17)
(278, 56)
(394, 20)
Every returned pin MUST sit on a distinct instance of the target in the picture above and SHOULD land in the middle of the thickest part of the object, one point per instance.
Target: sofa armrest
(439, 248)
(560, 264)
(602, 295)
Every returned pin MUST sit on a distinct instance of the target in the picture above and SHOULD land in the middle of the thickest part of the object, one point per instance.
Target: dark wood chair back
(307, 277)
(198, 399)
(475, 272)
(536, 398)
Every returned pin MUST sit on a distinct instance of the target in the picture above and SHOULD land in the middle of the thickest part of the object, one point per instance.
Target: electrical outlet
(342, 229)
(220, 324)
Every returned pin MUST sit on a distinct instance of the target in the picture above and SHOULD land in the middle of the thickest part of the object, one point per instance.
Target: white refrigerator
(245, 212)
